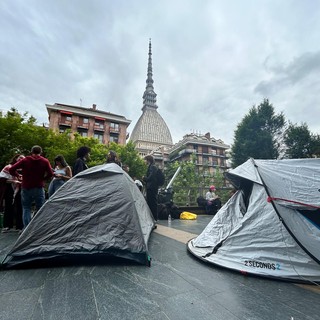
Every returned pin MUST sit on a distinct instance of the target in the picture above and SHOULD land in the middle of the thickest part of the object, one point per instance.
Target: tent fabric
(267, 238)
(99, 212)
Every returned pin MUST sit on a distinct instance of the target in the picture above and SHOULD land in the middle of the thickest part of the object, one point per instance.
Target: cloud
(211, 61)
(294, 73)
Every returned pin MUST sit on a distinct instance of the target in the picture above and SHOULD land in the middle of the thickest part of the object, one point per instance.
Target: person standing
(151, 186)
(10, 192)
(112, 157)
(62, 173)
(35, 170)
(83, 155)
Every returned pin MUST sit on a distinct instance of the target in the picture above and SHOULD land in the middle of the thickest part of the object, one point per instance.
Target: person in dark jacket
(83, 155)
(151, 186)
(35, 170)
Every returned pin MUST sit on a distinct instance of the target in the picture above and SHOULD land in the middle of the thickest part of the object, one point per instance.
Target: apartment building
(88, 122)
(210, 153)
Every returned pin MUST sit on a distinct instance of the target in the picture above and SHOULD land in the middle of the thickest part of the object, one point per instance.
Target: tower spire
(149, 96)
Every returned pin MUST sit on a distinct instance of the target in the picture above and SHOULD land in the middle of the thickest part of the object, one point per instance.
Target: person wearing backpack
(151, 186)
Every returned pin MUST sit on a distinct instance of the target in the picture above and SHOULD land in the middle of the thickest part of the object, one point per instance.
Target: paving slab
(176, 286)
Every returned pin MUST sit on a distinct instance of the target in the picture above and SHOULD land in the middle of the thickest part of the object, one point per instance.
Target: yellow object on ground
(185, 215)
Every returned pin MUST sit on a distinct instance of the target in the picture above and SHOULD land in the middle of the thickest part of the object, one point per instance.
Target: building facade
(88, 122)
(209, 152)
(151, 134)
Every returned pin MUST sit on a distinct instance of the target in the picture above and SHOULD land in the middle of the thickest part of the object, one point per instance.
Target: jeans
(27, 197)
(54, 185)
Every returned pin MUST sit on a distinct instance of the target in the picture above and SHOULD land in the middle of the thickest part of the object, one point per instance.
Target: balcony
(65, 123)
(114, 130)
(98, 127)
(187, 151)
(83, 125)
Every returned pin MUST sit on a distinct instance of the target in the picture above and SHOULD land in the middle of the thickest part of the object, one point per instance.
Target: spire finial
(149, 96)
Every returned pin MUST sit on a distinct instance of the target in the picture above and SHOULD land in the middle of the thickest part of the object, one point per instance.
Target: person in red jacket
(35, 170)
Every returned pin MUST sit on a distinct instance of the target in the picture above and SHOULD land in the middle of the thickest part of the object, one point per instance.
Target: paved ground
(177, 286)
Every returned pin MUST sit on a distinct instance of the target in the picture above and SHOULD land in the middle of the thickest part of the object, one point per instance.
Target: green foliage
(18, 133)
(316, 145)
(186, 182)
(191, 183)
(257, 135)
(130, 157)
(300, 142)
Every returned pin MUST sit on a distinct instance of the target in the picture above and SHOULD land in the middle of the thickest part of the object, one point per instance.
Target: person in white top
(138, 183)
(62, 173)
(10, 193)
(213, 201)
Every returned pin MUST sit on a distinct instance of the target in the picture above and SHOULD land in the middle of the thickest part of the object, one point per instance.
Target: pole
(172, 179)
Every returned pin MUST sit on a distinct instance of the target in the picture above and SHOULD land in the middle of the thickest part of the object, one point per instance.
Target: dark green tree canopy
(300, 142)
(257, 135)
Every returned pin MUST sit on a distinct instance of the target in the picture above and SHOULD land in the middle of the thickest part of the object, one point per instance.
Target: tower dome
(150, 131)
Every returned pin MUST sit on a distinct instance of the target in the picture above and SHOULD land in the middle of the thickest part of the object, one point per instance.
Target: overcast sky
(212, 60)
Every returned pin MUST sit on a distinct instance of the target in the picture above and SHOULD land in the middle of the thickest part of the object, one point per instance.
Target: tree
(18, 133)
(190, 183)
(187, 182)
(257, 135)
(299, 141)
(316, 145)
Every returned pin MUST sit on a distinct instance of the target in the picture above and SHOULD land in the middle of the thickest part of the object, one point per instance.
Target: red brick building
(88, 122)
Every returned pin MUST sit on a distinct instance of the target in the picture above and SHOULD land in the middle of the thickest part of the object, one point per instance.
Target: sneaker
(5, 230)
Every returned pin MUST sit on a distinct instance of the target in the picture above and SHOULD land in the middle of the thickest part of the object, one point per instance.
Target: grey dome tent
(98, 213)
(271, 226)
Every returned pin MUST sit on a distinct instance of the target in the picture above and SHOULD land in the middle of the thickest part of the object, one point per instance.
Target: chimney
(207, 135)
(94, 107)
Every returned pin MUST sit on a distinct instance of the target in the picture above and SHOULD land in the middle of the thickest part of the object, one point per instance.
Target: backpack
(160, 177)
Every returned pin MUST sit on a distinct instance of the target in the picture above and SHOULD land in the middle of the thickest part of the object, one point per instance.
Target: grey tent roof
(271, 226)
(99, 212)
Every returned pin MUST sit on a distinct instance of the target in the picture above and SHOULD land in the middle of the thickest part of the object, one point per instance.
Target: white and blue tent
(271, 225)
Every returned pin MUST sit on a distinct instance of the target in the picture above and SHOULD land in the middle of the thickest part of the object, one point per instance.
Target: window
(83, 122)
(83, 133)
(65, 116)
(204, 149)
(99, 124)
(114, 138)
(205, 160)
(99, 136)
(114, 126)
